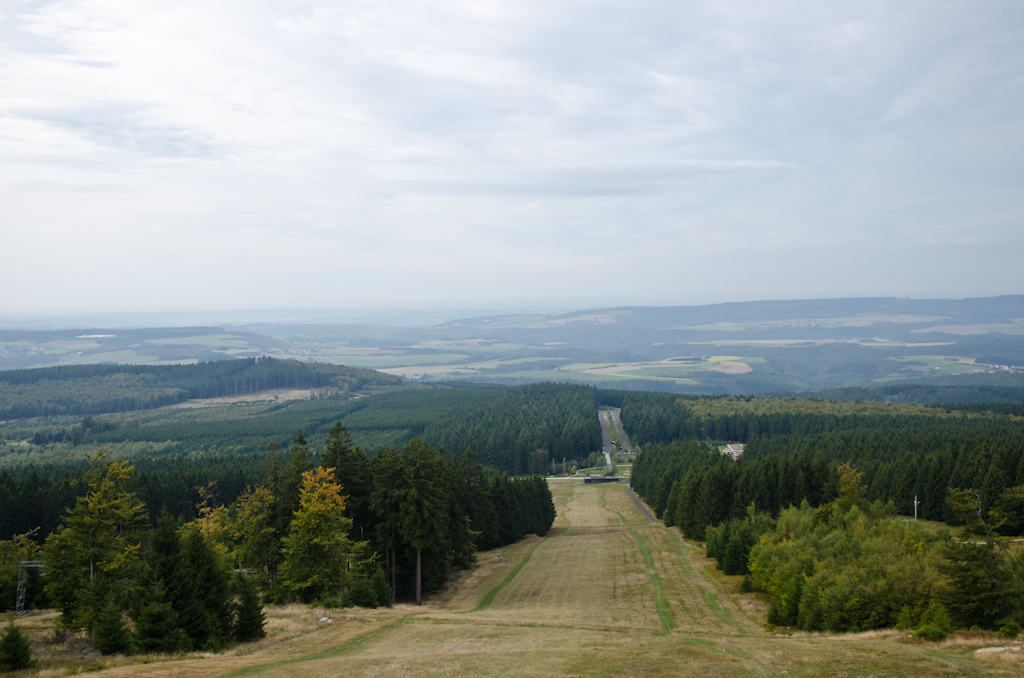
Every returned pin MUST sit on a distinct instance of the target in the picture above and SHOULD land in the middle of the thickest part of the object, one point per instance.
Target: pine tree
(15, 649)
(109, 633)
(156, 628)
(96, 542)
(250, 620)
(422, 501)
(735, 553)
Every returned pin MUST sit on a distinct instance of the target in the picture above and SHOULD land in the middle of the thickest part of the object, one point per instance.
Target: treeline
(692, 486)
(97, 389)
(654, 418)
(696, 487)
(900, 463)
(518, 430)
(921, 394)
(347, 529)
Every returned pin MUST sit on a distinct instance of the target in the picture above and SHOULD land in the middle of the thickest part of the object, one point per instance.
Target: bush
(905, 620)
(935, 615)
(934, 624)
(930, 632)
(15, 650)
(1010, 630)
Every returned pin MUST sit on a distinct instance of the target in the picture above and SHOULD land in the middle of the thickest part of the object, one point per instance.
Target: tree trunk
(419, 579)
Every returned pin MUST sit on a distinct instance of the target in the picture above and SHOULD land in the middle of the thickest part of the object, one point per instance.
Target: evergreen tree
(97, 543)
(735, 554)
(211, 627)
(423, 497)
(15, 649)
(156, 628)
(352, 472)
(110, 636)
(250, 620)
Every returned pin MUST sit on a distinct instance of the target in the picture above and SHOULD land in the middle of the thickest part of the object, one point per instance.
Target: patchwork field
(605, 593)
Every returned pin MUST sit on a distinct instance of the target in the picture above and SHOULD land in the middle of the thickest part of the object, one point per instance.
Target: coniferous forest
(332, 525)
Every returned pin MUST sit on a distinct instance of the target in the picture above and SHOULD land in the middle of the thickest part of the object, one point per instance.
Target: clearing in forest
(605, 593)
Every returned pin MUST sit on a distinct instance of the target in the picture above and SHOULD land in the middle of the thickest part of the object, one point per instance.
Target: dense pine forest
(341, 527)
(517, 430)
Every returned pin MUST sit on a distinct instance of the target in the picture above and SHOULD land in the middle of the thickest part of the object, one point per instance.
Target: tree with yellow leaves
(317, 538)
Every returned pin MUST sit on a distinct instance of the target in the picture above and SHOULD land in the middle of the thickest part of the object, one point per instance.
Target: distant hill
(98, 389)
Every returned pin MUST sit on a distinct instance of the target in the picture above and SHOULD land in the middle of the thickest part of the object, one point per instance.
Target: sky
(204, 155)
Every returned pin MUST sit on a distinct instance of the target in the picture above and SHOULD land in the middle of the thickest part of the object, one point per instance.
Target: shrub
(930, 632)
(934, 624)
(1010, 630)
(935, 615)
(905, 620)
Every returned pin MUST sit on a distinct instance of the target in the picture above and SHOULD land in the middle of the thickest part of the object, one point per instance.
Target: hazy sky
(252, 154)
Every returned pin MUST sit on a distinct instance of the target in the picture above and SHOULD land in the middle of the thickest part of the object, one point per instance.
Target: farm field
(605, 593)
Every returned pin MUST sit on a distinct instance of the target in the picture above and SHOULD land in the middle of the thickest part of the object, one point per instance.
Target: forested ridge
(97, 389)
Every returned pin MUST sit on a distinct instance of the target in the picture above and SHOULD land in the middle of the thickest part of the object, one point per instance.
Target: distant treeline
(653, 418)
(791, 457)
(97, 389)
(516, 430)
(922, 394)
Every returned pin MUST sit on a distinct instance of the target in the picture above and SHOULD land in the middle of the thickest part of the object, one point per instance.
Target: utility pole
(916, 503)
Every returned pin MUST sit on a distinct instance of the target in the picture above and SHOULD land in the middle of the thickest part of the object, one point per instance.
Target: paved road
(604, 416)
(639, 505)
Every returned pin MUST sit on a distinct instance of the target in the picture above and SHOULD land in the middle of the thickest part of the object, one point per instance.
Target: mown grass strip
(344, 648)
(668, 620)
(493, 593)
(705, 589)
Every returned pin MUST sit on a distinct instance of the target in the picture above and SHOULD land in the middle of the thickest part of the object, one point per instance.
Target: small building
(734, 450)
(601, 479)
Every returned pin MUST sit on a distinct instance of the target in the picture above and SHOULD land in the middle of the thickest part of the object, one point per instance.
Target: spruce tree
(250, 620)
(735, 553)
(15, 649)
(109, 633)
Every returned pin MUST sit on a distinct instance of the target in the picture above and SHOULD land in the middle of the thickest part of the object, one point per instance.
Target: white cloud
(455, 150)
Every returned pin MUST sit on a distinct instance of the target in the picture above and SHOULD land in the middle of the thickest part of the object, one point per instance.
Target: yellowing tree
(317, 538)
(92, 553)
